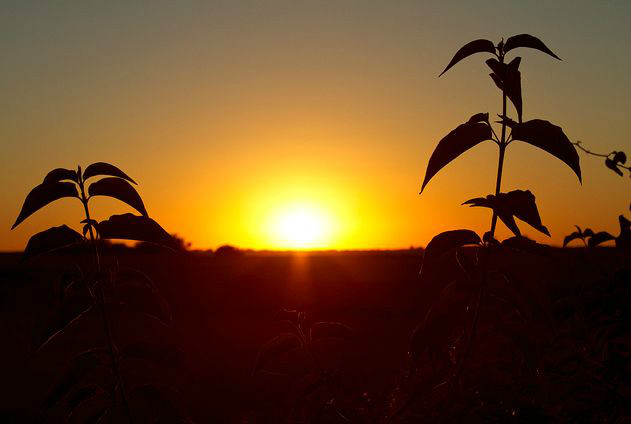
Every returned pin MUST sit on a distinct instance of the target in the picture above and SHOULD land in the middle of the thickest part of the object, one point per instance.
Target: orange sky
(233, 114)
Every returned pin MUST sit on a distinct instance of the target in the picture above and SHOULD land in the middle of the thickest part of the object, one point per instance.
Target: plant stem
(103, 308)
(500, 163)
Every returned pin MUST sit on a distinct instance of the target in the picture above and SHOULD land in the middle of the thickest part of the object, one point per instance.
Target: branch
(601, 155)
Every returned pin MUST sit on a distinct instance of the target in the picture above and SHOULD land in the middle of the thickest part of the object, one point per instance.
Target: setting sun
(301, 227)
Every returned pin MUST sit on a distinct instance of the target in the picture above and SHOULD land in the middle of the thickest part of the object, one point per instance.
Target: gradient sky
(229, 112)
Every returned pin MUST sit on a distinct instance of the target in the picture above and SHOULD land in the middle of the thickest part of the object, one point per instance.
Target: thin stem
(500, 164)
(600, 155)
(103, 308)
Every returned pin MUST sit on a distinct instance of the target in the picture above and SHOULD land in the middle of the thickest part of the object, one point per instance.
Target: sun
(301, 227)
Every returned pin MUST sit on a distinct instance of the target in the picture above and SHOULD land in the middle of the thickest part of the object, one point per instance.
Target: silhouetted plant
(87, 391)
(477, 129)
(318, 390)
(466, 285)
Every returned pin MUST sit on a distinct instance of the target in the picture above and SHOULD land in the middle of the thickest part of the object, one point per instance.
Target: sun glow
(301, 227)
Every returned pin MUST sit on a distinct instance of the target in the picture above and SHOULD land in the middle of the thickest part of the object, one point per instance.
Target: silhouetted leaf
(479, 117)
(623, 241)
(162, 353)
(517, 203)
(508, 79)
(135, 288)
(338, 330)
(118, 189)
(291, 316)
(275, 347)
(611, 164)
(88, 405)
(60, 174)
(81, 365)
(133, 227)
(472, 47)
(446, 241)
(598, 238)
(102, 168)
(526, 40)
(52, 239)
(574, 236)
(446, 312)
(550, 138)
(520, 338)
(65, 326)
(42, 195)
(455, 143)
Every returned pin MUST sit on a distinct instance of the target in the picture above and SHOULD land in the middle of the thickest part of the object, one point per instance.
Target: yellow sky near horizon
(241, 120)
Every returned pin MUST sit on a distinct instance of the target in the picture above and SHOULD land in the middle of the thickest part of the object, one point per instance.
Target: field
(223, 309)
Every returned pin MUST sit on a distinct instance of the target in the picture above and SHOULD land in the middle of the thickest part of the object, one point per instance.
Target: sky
(246, 121)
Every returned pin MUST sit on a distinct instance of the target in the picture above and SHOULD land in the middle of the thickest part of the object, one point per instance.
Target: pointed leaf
(550, 138)
(102, 168)
(619, 157)
(455, 143)
(574, 236)
(476, 46)
(135, 288)
(52, 239)
(160, 353)
(598, 238)
(81, 365)
(60, 174)
(338, 330)
(118, 189)
(526, 40)
(623, 241)
(275, 347)
(133, 227)
(609, 163)
(517, 203)
(42, 195)
(479, 117)
(508, 79)
(446, 241)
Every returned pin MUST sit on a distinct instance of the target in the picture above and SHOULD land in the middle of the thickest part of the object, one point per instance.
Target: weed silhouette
(87, 390)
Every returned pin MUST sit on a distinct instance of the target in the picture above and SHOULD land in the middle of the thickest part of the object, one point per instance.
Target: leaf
(65, 326)
(550, 138)
(520, 338)
(338, 330)
(517, 203)
(574, 236)
(611, 164)
(81, 365)
(102, 168)
(42, 195)
(598, 238)
(472, 47)
(54, 238)
(118, 189)
(526, 40)
(446, 241)
(455, 143)
(619, 157)
(60, 174)
(623, 241)
(162, 353)
(508, 79)
(479, 117)
(275, 347)
(133, 227)
(135, 288)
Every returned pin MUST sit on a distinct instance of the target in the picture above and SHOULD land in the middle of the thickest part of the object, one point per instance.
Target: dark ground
(223, 311)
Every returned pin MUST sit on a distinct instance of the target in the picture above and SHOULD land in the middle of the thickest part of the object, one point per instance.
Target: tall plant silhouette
(107, 294)
(537, 132)
(467, 288)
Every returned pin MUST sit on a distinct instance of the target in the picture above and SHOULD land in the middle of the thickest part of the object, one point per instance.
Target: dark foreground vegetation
(566, 357)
